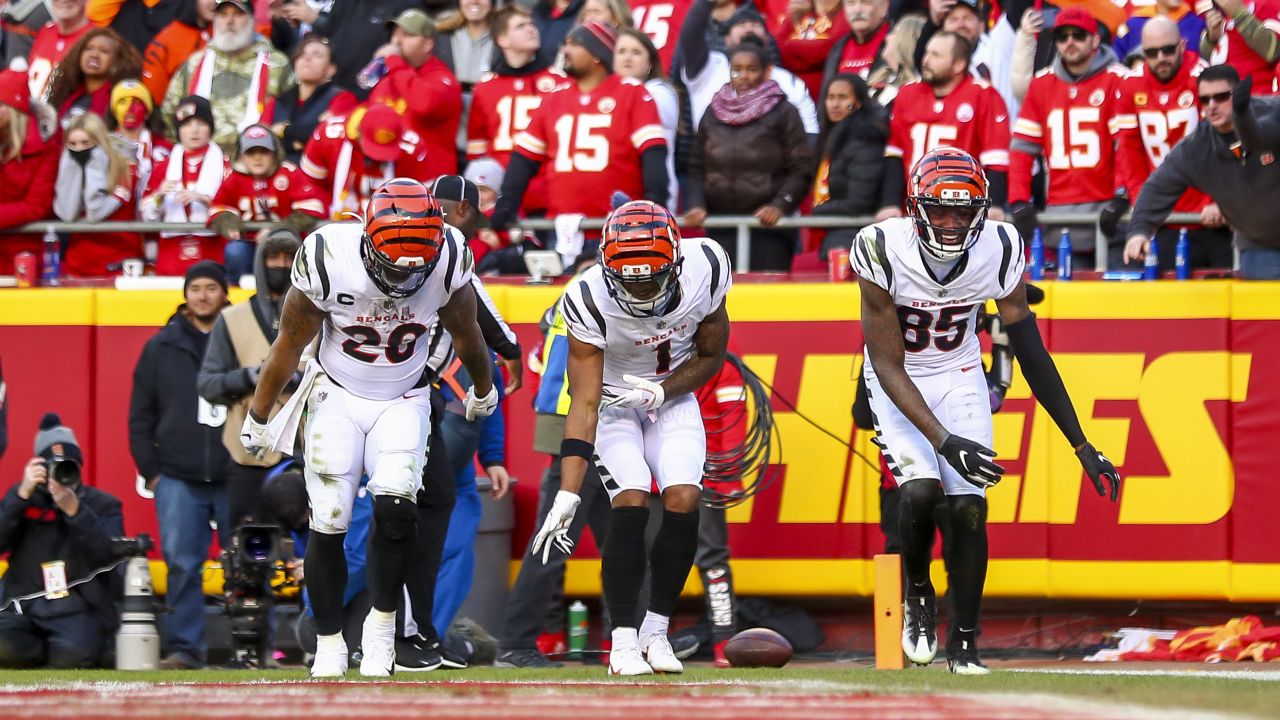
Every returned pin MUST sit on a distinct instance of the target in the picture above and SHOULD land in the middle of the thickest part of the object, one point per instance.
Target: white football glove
(253, 435)
(555, 529)
(643, 394)
(481, 407)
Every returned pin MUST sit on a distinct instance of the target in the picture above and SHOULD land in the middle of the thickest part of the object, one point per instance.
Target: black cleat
(414, 655)
(962, 659)
(920, 629)
(524, 658)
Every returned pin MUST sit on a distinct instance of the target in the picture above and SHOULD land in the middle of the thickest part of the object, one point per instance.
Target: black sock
(623, 562)
(918, 499)
(671, 558)
(326, 565)
(967, 573)
(387, 562)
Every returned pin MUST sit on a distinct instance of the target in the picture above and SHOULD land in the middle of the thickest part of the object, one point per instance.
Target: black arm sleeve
(1042, 375)
(653, 167)
(692, 45)
(497, 334)
(520, 171)
(894, 188)
(998, 184)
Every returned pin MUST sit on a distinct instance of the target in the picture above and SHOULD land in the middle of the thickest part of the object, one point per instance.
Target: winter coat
(855, 152)
(734, 170)
(165, 433)
(86, 194)
(26, 195)
(553, 28)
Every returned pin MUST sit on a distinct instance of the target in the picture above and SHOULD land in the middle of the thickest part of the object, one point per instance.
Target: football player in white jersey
(922, 279)
(370, 290)
(647, 327)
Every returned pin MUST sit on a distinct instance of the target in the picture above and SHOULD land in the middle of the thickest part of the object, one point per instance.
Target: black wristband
(574, 447)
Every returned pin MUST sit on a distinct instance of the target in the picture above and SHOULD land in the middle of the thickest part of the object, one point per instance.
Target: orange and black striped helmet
(640, 257)
(948, 199)
(403, 235)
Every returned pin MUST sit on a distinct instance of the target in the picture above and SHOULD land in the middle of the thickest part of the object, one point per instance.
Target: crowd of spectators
(145, 109)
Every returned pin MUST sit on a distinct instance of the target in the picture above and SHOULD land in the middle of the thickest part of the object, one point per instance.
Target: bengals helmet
(640, 257)
(948, 199)
(403, 234)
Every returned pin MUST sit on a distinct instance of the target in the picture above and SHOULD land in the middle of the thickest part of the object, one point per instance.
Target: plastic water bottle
(51, 259)
(1151, 266)
(1182, 256)
(578, 628)
(1037, 255)
(1064, 256)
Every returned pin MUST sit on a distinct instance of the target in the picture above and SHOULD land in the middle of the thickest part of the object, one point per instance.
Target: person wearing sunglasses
(1242, 178)
(1128, 41)
(1159, 106)
(1068, 118)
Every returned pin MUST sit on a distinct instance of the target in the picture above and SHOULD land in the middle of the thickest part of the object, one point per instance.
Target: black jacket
(1247, 190)
(735, 169)
(855, 149)
(164, 434)
(554, 28)
(35, 531)
(356, 29)
(303, 118)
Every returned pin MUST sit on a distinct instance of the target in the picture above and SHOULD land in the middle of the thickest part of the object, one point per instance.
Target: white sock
(330, 643)
(624, 637)
(381, 619)
(654, 624)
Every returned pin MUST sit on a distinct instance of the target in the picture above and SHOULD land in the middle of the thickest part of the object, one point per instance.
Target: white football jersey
(370, 343)
(937, 315)
(648, 347)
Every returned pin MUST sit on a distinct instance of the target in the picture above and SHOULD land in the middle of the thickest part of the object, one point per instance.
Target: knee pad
(968, 514)
(396, 517)
(920, 496)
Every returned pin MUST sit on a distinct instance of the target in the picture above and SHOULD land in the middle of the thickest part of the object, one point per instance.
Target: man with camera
(57, 531)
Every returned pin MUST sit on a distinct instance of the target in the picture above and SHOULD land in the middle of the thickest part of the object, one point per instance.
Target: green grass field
(1237, 694)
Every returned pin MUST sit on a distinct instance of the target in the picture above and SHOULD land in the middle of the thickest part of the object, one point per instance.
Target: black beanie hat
(193, 107)
(205, 269)
(598, 38)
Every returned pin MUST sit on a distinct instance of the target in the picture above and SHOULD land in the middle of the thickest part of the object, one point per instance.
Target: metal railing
(742, 224)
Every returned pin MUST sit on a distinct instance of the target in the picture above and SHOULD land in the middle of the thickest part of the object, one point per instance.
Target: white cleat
(627, 661)
(331, 658)
(920, 629)
(661, 657)
(378, 645)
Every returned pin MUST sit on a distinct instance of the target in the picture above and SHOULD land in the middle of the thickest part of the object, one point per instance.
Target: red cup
(25, 269)
(838, 268)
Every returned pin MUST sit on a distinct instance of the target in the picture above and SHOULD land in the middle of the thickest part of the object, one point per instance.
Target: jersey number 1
(664, 356)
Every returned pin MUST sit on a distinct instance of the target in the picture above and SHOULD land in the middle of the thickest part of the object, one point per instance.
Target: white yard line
(1256, 675)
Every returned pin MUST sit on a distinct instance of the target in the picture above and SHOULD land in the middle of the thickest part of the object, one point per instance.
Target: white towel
(207, 184)
(282, 431)
(569, 238)
(255, 98)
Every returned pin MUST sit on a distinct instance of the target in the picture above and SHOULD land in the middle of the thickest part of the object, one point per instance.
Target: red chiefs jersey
(1072, 124)
(661, 20)
(47, 51)
(501, 108)
(346, 180)
(859, 57)
(269, 199)
(972, 117)
(592, 143)
(1151, 117)
(805, 45)
(1232, 49)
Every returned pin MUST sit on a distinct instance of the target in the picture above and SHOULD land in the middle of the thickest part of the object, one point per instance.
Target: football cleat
(331, 658)
(378, 646)
(414, 654)
(718, 652)
(660, 656)
(962, 659)
(920, 629)
(525, 658)
(627, 661)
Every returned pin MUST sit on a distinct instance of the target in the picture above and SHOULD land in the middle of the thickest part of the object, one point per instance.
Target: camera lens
(257, 546)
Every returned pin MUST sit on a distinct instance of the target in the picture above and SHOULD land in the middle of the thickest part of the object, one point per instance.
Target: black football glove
(1023, 216)
(972, 460)
(1109, 218)
(1098, 467)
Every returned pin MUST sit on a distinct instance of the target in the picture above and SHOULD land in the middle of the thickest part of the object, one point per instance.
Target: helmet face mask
(404, 232)
(948, 201)
(640, 258)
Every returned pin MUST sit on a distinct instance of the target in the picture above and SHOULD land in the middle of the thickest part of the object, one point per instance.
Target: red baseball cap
(1077, 17)
(380, 131)
(14, 91)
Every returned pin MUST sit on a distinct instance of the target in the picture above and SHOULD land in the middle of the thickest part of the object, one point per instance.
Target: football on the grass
(757, 647)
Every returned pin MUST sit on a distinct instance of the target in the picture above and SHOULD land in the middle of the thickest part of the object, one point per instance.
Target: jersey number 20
(400, 342)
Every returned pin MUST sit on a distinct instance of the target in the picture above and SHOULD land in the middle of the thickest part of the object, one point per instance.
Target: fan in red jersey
(348, 157)
(600, 134)
(1158, 107)
(1244, 35)
(262, 188)
(661, 21)
(949, 107)
(504, 102)
(53, 41)
(1068, 117)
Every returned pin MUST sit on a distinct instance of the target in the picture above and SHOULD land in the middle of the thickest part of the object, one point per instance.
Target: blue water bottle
(1182, 256)
(1151, 266)
(1064, 256)
(51, 259)
(1037, 255)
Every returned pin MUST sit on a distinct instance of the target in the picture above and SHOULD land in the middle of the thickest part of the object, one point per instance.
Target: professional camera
(137, 642)
(249, 564)
(63, 470)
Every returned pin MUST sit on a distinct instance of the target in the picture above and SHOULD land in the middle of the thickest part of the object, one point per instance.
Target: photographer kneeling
(57, 530)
